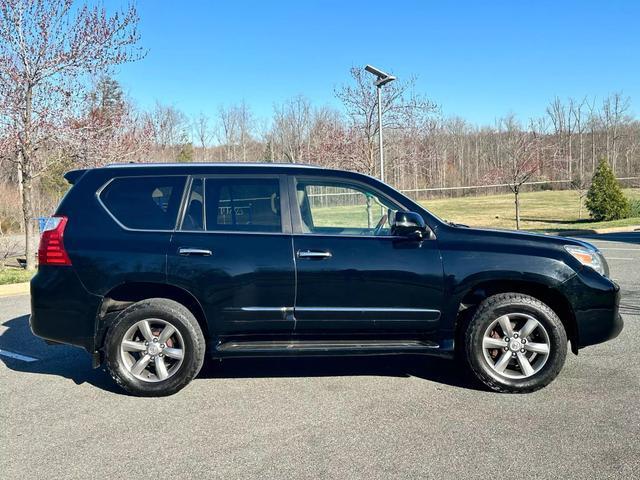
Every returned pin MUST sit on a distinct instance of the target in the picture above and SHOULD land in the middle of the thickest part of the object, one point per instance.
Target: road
(406, 417)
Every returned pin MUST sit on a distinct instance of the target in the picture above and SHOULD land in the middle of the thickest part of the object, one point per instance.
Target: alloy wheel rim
(152, 350)
(516, 345)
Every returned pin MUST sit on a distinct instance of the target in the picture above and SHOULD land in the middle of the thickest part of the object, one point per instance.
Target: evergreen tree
(106, 95)
(185, 154)
(605, 199)
(267, 154)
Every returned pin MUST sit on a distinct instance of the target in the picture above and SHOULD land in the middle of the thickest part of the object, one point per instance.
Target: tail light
(51, 250)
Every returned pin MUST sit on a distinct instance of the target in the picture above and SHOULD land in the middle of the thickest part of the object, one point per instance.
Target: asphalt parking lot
(399, 417)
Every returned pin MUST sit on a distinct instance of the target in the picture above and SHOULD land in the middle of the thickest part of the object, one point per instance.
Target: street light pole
(379, 89)
(382, 79)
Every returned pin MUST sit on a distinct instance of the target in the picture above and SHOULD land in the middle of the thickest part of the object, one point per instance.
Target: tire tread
(176, 309)
(476, 325)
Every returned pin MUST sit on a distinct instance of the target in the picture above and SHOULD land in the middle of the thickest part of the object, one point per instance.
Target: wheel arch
(549, 295)
(128, 293)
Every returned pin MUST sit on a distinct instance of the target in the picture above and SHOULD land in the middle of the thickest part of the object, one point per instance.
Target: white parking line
(17, 356)
(621, 258)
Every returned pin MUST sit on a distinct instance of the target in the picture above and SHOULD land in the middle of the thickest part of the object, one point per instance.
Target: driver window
(336, 208)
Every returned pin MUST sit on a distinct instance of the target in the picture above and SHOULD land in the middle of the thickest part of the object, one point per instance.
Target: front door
(233, 252)
(353, 276)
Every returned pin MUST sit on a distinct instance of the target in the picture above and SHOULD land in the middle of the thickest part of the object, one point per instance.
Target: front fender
(466, 271)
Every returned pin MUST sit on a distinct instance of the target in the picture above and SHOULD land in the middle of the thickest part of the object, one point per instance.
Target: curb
(593, 231)
(14, 289)
(630, 228)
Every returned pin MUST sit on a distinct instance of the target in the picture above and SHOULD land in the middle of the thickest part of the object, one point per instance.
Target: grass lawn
(546, 211)
(14, 275)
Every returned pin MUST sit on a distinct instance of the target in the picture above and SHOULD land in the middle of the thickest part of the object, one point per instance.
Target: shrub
(14, 275)
(634, 209)
(605, 199)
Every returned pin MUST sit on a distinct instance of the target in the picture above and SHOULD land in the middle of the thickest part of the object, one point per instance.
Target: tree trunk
(516, 193)
(593, 151)
(570, 159)
(20, 185)
(26, 168)
(580, 207)
(27, 212)
(581, 157)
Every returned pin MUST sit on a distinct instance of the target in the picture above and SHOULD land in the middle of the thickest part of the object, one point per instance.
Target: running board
(322, 346)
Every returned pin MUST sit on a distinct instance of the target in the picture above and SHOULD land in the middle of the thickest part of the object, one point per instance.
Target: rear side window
(243, 205)
(146, 203)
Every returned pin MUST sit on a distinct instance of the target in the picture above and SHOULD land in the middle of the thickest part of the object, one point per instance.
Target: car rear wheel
(515, 343)
(154, 348)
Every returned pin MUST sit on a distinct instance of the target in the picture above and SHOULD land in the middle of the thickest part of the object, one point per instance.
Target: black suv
(152, 268)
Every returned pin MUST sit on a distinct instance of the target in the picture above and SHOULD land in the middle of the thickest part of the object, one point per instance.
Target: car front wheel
(515, 343)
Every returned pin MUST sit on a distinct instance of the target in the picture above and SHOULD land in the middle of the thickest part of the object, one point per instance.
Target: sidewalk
(14, 289)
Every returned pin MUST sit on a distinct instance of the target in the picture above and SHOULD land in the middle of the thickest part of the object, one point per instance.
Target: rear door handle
(314, 254)
(187, 252)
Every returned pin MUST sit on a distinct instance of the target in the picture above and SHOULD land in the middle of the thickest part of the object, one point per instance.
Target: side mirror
(410, 225)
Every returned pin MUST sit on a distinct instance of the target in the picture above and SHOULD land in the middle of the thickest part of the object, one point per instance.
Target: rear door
(353, 276)
(233, 251)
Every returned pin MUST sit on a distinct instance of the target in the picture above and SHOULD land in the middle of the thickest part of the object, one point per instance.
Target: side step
(331, 347)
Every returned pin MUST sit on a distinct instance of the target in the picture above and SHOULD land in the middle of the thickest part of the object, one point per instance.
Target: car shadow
(435, 369)
(59, 360)
(74, 364)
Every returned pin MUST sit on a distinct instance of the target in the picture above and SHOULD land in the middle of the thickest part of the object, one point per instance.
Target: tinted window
(149, 203)
(194, 215)
(251, 205)
(342, 209)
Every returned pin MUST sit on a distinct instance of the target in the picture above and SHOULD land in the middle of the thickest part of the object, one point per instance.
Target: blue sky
(479, 60)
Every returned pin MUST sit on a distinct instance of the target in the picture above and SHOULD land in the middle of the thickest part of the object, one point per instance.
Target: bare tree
(203, 133)
(614, 114)
(519, 157)
(400, 104)
(46, 46)
(245, 127)
(228, 132)
(292, 122)
(580, 128)
(170, 129)
(561, 121)
(332, 143)
(108, 129)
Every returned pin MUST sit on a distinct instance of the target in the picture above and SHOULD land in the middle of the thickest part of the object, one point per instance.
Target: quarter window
(145, 203)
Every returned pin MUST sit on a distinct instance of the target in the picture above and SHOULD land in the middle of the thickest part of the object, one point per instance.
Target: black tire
(515, 304)
(170, 312)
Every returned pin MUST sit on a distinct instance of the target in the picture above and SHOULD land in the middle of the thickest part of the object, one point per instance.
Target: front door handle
(314, 254)
(187, 252)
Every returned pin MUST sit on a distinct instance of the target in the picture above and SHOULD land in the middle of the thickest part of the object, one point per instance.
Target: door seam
(295, 284)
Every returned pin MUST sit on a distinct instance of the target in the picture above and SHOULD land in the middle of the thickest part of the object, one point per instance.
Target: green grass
(542, 211)
(14, 275)
(550, 211)
(351, 216)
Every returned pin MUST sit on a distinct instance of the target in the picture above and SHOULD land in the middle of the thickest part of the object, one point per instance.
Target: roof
(214, 164)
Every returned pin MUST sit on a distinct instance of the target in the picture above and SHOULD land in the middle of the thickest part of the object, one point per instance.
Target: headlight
(587, 257)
